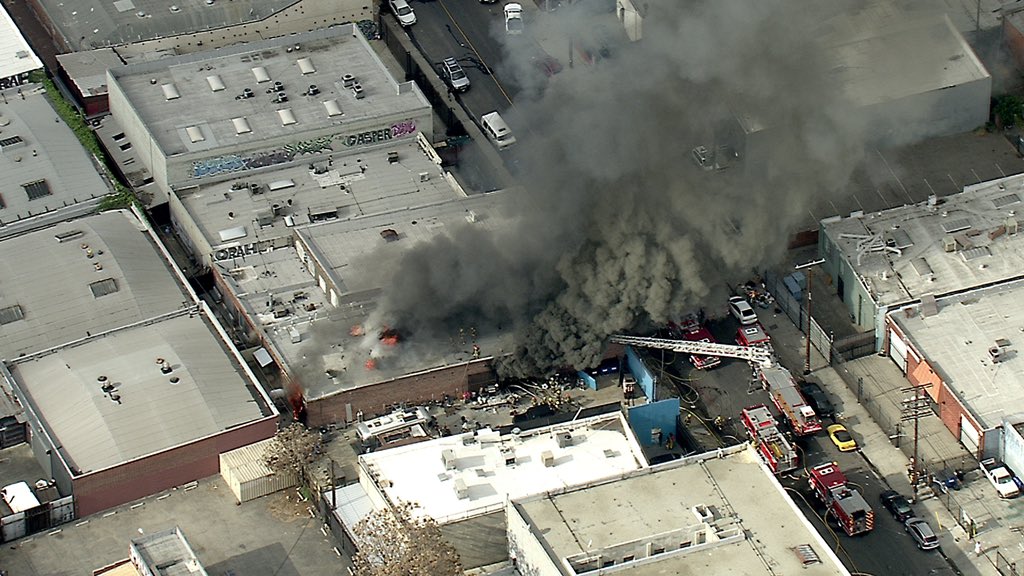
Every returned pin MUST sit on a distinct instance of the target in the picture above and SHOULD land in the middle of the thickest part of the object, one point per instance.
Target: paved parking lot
(273, 535)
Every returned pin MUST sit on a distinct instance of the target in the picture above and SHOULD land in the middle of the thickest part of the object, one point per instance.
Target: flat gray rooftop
(964, 240)
(106, 274)
(737, 490)
(168, 553)
(88, 69)
(147, 412)
(902, 57)
(349, 187)
(87, 24)
(16, 56)
(200, 91)
(43, 167)
(315, 338)
(956, 342)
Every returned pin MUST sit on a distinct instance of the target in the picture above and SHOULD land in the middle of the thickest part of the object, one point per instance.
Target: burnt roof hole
(389, 234)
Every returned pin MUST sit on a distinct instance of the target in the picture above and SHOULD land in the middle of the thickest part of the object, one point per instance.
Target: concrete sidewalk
(876, 382)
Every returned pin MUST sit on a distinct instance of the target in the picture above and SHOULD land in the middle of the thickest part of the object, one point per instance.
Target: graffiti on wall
(287, 153)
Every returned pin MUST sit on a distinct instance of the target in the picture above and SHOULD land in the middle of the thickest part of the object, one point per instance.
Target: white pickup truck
(1000, 477)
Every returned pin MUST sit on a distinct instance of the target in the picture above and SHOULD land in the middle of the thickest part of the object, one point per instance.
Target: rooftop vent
(11, 142)
(69, 235)
(287, 117)
(195, 134)
(348, 80)
(103, 287)
(312, 90)
(241, 125)
(357, 90)
(165, 366)
(306, 65)
(332, 108)
(956, 225)
(36, 190)
(261, 74)
(1005, 200)
(215, 82)
(170, 91)
(11, 314)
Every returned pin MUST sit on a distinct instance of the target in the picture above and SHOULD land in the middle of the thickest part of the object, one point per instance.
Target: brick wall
(374, 400)
(147, 476)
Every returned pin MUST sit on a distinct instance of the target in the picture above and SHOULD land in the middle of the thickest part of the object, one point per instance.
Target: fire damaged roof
(334, 346)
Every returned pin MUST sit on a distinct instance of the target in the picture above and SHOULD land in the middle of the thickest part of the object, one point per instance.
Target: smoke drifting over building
(618, 227)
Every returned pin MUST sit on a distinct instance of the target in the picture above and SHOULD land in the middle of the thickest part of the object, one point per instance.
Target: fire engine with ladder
(790, 402)
(774, 378)
(773, 447)
(844, 502)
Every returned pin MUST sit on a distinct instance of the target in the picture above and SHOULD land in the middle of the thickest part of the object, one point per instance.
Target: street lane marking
(478, 56)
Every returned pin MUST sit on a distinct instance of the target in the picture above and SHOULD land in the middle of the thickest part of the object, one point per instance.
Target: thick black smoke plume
(617, 227)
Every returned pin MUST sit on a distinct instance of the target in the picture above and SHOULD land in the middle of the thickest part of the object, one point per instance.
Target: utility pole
(807, 350)
(914, 408)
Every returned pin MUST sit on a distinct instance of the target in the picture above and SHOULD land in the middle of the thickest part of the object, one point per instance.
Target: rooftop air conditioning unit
(1011, 226)
(357, 89)
(564, 440)
(255, 188)
(949, 244)
(996, 354)
(348, 80)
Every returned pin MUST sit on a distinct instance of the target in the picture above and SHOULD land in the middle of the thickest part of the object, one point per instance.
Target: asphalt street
(727, 389)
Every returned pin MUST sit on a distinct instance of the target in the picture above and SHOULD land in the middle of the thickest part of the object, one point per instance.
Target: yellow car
(841, 437)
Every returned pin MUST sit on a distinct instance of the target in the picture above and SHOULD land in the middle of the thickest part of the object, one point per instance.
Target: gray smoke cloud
(617, 228)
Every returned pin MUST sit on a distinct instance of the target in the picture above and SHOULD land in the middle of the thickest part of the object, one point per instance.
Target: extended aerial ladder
(757, 355)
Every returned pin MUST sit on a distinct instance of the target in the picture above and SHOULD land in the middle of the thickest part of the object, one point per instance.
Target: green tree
(1008, 109)
(397, 542)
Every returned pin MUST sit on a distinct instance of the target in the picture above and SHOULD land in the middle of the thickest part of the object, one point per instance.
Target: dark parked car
(897, 505)
(818, 400)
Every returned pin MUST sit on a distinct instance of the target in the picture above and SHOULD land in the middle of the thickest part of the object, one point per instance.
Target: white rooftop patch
(469, 474)
(16, 57)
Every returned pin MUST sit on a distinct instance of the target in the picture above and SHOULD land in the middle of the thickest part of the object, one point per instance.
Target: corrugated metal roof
(251, 471)
(245, 455)
(353, 504)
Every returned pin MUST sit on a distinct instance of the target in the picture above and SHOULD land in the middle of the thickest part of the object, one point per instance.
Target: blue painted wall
(588, 380)
(661, 415)
(643, 376)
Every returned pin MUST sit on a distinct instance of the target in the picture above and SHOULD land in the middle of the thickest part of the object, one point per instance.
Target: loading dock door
(969, 435)
(898, 350)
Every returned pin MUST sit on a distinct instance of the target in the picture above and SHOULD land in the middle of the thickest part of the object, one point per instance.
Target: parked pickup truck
(1000, 477)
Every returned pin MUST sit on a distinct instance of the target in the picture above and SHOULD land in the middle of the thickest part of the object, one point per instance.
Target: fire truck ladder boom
(754, 354)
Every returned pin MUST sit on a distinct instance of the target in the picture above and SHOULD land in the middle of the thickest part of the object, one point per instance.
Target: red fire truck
(843, 502)
(788, 399)
(753, 335)
(691, 330)
(773, 447)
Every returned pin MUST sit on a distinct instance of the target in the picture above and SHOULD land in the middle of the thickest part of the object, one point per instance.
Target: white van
(497, 130)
